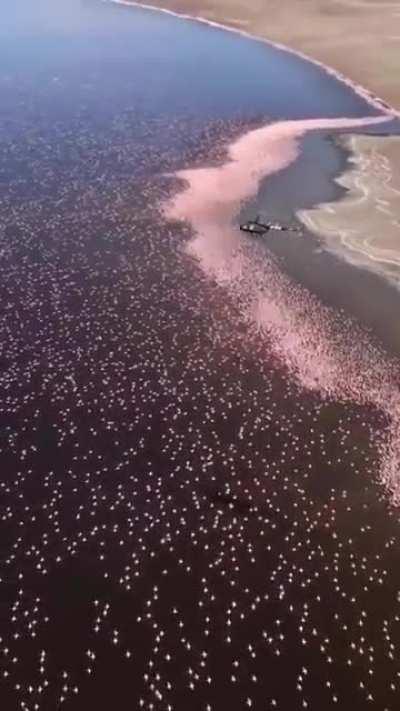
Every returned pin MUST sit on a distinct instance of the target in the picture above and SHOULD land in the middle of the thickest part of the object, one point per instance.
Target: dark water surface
(181, 526)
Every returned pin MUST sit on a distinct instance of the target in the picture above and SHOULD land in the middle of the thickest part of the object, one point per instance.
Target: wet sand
(365, 224)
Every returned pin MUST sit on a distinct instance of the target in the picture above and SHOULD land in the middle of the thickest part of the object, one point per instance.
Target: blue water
(107, 58)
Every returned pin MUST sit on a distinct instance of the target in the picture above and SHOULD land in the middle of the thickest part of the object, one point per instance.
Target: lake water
(198, 465)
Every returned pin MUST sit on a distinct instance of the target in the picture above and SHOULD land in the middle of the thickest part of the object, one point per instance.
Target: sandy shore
(366, 223)
(361, 40)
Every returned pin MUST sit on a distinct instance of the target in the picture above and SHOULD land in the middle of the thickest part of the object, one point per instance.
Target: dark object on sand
(256, 227)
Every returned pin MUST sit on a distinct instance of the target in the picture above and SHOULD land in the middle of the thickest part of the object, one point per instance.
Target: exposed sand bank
(366, 223)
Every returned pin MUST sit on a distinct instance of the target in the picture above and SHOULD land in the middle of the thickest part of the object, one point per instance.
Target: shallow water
(183, 524)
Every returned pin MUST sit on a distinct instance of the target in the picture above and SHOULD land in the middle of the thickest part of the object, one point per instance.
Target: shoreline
(368, 95)
(313, 218)
(350, 226)
(317, 34)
